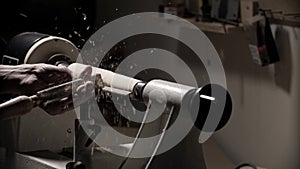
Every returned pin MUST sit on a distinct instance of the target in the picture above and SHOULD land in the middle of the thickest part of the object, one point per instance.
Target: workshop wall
(264, 128)
(288, 6)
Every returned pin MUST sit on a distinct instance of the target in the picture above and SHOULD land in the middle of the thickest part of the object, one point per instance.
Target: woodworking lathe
(113, 93)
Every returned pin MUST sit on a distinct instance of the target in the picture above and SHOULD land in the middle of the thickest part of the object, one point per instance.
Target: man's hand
(28, 79)
(31, 78)
(81, 94)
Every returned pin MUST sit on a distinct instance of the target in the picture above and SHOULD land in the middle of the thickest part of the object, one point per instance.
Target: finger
(89, 85)
(80, 89)
(86, 86)
(86, 73)
(59, 75)
(59, 107)
(83, 93)
(52, 74)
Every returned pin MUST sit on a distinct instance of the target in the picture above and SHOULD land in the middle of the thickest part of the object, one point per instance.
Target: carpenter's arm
(27, 79)
(30, 78)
